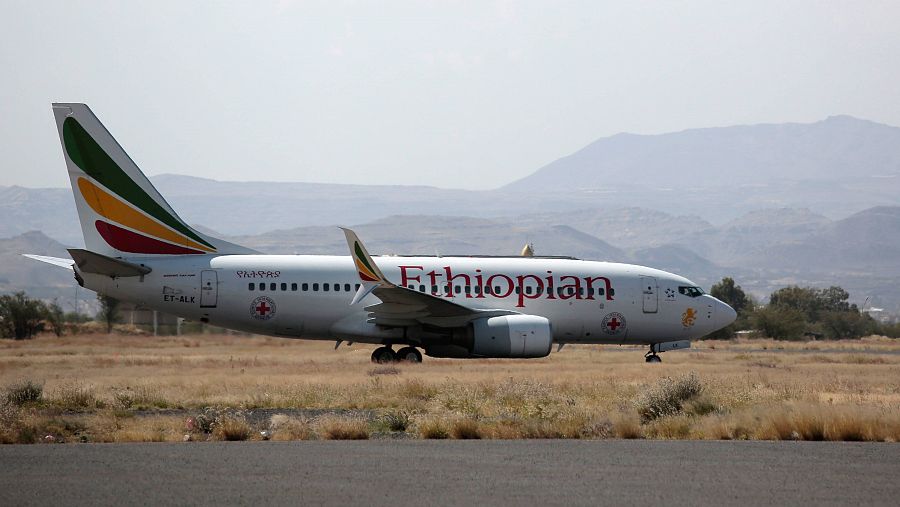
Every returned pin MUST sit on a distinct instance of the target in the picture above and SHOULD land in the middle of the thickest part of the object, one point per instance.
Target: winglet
(366, 268)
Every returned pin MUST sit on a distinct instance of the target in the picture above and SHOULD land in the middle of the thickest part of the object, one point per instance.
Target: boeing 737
(137, 249)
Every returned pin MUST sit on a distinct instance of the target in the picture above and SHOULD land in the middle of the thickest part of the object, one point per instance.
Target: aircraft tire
(384, 355)
(409, 355)
(654, 359)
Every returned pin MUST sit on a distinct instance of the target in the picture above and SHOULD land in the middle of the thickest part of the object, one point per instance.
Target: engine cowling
(511, 336)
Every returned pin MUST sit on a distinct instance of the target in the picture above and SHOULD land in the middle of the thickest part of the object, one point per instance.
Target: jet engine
(507, 336)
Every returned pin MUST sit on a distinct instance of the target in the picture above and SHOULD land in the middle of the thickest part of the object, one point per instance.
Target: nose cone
(724, 315)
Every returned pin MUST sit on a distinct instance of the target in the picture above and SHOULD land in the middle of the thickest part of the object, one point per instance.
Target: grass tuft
(76, 397)
(433, 428)
(336, 427)
(26, 391)
(286, 428)
(667, 397)
(465, 429)
(232, 428)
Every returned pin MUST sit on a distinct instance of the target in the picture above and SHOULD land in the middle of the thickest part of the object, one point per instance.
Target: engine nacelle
(511, 336)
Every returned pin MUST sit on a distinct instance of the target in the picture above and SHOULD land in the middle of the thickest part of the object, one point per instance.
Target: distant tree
(109, 311)
(824, 311)
(728, 292)
(21, 317)
(780, 323)
(55, 317)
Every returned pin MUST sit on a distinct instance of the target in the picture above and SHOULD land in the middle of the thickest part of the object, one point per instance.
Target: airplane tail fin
(121, 213)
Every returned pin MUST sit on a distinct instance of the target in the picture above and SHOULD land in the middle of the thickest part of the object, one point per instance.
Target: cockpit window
(691, 292)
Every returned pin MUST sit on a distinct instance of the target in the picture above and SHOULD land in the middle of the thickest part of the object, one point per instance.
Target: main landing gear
(652, 357)
(383, 355)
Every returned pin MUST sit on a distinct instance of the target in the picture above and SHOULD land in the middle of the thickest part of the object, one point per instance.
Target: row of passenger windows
(435, 289)
(305, 287)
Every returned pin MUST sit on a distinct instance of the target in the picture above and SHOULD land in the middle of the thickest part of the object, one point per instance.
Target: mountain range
(814, 203)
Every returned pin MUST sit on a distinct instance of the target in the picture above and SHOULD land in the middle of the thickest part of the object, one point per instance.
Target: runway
(517, 472)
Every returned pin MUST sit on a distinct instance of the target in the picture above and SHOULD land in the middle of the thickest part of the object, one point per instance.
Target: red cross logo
(262, 308)
(613, 323)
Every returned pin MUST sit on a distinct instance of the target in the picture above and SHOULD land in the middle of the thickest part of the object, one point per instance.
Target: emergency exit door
(651, 298)
(209, 288)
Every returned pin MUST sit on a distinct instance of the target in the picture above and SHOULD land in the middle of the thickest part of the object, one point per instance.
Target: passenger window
(337, 287)
(434, 289)
(468, 290)
(251, 286)
(478, 290)
(489, 290)
(496, 289)
(325, 287)
(315, 287)
(346, 287)
(272, 286)
(518, 290)
(294, 287)
(305, 287)
(284, 286)
(528, 289)
(411, 287)
(612, 292)
(357, 286)
(421, 288)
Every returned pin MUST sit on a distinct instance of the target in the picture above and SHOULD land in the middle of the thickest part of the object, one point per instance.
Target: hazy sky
(451, 94)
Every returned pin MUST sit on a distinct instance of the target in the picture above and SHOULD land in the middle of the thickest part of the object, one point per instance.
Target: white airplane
(139, 250)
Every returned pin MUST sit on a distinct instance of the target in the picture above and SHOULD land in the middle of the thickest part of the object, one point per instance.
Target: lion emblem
(688, 317)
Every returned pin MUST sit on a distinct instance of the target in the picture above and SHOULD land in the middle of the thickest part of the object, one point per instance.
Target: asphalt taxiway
(535, 472)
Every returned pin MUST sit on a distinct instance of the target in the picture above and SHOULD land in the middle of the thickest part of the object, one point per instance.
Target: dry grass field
(101, 388)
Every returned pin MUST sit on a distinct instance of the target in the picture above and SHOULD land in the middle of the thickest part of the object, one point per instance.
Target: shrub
(284, 428)
(76, 397)
(396, 420)
(465, 429)
(333, 427)
(232, 428)
(433, 428)
(24, 392)
(667, 397)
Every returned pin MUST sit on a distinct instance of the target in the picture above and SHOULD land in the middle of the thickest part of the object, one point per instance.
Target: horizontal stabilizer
(56, 261)
(90, 262)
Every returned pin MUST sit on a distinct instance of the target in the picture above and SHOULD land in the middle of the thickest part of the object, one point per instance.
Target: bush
(667, 397)
(24, 392)
(232, 428)
(433, 428)
(333, 427)
(396, 420)
(288, 428)
(20, 316)
(76, 396)
(465, 429)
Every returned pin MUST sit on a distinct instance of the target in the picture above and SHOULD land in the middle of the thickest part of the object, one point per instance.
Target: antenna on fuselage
(528, 250)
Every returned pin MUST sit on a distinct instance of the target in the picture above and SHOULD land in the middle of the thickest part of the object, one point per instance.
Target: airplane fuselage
(308, 296)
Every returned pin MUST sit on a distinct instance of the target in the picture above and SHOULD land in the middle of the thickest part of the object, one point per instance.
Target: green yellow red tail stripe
(154, 229)
(114, 209)
(366, 273)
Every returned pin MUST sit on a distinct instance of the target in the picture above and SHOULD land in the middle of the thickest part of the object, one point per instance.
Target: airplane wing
(56, 261)
(401, 306)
